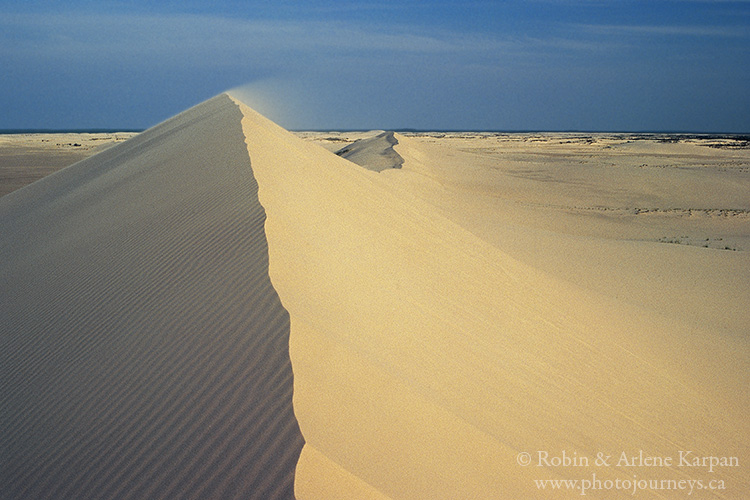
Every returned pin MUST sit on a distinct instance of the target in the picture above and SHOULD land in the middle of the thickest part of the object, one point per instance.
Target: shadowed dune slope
(426, 359)
(143, 350)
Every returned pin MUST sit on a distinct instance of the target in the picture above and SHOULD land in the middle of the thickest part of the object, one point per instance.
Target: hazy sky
(500, 65)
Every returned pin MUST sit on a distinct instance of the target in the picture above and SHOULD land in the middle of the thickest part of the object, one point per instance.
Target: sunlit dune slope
(426, 358)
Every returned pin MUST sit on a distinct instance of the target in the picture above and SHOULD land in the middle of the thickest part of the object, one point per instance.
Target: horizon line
(101, 130)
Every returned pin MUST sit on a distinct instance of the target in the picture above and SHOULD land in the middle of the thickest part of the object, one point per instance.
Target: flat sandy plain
(27, 157)
(218, 308)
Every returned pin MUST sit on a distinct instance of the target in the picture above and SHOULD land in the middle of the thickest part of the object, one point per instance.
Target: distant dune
(374, 153)
(217, 308)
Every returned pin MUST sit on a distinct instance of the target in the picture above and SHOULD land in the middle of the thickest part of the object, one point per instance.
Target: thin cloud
(84, 35)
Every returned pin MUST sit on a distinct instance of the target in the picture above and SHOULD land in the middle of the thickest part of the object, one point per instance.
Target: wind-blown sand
(441, 318)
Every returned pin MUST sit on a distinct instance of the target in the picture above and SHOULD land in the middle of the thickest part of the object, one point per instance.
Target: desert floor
(25, 158)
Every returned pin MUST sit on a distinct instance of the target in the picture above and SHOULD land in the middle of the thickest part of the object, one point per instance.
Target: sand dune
(374, 153)
(156, 293)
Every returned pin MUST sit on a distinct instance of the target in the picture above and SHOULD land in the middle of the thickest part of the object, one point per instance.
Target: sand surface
(498, 294)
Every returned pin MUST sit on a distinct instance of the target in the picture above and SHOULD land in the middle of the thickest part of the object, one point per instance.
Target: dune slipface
(143, 351)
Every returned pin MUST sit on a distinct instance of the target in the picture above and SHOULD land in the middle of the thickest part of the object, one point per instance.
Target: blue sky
(624, 65)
